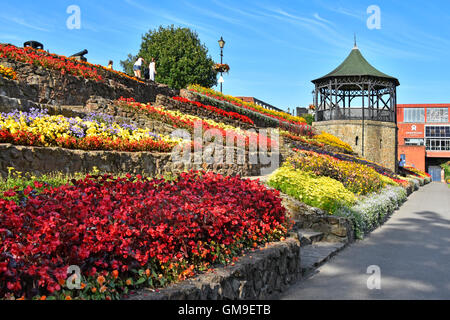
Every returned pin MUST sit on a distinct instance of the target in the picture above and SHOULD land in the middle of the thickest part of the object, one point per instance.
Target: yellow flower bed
(357, 178)
(50, 128)
(331, 140)
(8, 72)
(320, 192)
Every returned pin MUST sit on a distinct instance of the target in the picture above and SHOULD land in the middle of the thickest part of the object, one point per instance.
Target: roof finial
(356, 46)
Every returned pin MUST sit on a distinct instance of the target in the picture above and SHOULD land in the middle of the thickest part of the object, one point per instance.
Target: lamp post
(221, 45)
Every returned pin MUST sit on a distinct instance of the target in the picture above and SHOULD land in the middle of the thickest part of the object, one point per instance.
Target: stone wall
(380, 142)
(258, 275)
(40, 160)
(51, 87)
(335, 229)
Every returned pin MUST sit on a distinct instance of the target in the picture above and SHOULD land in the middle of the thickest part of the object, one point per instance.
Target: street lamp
(221, 45)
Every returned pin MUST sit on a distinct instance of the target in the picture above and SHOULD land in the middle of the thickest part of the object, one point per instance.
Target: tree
(127, 64)
(181, 59)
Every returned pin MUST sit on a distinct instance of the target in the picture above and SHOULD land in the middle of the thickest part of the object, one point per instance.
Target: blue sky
(274, 48)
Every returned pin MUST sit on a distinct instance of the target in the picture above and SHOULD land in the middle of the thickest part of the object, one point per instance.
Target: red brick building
(424, 136)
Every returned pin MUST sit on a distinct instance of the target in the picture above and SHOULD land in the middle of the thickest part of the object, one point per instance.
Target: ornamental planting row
(60, 63)
(328, 182)
(125, 233)
(283, 120)
(181, 120)
(221, 112)
(95, 132)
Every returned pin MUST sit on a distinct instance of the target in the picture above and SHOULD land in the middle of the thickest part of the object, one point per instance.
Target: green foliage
(181, 59)
(308, 117)
(320, 192)
(128, 63)
(446, 167)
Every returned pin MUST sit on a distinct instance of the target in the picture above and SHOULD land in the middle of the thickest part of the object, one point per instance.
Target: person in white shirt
(137, 67)
(152, 69)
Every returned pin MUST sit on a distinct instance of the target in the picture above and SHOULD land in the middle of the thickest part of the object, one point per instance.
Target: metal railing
(355, 114)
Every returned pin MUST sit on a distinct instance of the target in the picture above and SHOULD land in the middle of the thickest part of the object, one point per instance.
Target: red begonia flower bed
(129, 232)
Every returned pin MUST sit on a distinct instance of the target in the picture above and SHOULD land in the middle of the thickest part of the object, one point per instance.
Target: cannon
(33, 44)
(80, 55)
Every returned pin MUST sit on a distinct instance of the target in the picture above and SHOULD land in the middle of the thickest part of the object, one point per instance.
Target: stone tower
(358, 103)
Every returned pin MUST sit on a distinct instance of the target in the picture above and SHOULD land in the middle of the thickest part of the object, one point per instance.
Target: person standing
(152, 69)
(137, 67)
(110, 65)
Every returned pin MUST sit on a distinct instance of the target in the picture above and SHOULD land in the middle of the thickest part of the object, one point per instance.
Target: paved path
(412, 250)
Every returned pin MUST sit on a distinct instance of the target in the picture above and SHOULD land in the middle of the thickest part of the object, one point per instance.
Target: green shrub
(446, 167)
(320, 192)
(309, 118)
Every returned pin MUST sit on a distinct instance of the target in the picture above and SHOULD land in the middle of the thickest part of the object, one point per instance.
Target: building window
(438, 144)
(437, 138)
(414, 142)
(437, 115)
(437, 132)
(412, 115)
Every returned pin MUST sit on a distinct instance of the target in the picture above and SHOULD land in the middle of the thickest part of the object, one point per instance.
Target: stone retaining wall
(43, 160)
(51, 87)
(258, 275)
(335, 229)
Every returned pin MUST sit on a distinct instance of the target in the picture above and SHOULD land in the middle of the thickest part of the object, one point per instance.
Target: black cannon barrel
(80, 54)
(34, 44)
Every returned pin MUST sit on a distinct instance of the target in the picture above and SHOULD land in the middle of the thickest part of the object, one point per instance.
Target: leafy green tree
(127, 64)
(181, 59)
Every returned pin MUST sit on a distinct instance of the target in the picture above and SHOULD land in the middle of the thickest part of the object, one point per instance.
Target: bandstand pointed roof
(355, 65)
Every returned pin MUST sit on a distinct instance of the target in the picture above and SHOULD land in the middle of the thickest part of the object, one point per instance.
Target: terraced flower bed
(357, 178)
(60, 63)
(189, 122)
(295, 125)
(251, 106)
(223, 113)
(125, 233)
(347, 157)
(95, 132)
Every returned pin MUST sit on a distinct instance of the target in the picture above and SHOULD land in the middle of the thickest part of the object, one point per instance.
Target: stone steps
(308, 237)
(314, 255)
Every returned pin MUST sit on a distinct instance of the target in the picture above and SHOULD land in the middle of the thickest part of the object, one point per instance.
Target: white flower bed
(371, 211)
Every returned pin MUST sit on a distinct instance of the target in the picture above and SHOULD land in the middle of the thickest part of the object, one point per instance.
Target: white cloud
(23, 23)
